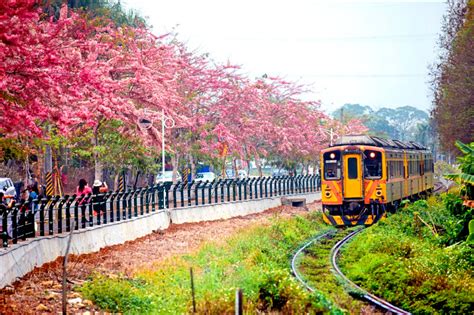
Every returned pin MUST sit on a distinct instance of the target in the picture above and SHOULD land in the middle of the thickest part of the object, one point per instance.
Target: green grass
(255, 259)
(410, 260)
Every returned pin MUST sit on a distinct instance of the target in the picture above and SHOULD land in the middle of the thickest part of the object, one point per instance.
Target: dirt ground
(39, 292)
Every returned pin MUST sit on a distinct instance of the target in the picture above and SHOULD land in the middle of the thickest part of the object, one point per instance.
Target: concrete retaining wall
(17, 260)
(231, 209)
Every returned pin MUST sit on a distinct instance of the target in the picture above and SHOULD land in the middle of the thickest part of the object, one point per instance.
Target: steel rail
(299, 251)
(368, 296)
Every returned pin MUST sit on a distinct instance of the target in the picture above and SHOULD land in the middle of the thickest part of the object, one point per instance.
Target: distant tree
(453, 77)
(109, 9)
(395, 123)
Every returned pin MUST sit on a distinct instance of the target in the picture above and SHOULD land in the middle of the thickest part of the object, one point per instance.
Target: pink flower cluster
(74, 72)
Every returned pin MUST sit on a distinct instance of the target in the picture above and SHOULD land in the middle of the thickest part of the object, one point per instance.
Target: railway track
(370, 298)
(440, 187)
(294, 268)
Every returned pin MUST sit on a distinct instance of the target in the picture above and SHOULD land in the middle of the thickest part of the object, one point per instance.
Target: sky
(373, 53)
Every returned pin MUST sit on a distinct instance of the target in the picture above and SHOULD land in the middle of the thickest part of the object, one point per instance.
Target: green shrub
(406, 258)
(463, 215)
(470, 237)
(116, 295)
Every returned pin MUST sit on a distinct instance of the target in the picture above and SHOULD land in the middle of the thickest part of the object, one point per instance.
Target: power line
(336, 38)
(396, 75)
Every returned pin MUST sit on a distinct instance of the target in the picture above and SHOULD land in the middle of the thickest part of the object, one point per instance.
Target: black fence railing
(54, 214)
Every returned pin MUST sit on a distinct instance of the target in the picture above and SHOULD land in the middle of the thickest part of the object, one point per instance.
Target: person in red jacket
(83, 190)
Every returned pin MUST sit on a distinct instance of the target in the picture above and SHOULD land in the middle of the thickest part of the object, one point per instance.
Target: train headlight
(372, 155)
(327, 194)
(378, 193)
(332, 156)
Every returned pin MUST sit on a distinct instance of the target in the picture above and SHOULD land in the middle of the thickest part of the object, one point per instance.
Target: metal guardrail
(54, 214)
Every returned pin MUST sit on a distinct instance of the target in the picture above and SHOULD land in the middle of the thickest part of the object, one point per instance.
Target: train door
(405, 174)
(352, 176)
(422, 172)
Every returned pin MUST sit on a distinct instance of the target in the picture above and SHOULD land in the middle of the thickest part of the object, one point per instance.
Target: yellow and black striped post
(49, 184)
(185, 175)
(121, 183)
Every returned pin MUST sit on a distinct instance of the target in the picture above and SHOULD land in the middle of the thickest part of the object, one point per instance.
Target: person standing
(318, 178)
(33, 214)
(82, 190)
(98, 190)
(5, 208)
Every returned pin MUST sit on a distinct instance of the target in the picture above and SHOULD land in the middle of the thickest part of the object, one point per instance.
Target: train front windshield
(372, 164)
(332, 165)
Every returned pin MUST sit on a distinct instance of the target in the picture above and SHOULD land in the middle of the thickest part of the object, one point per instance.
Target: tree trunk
(259, 166)
(234, 166)
(175, 163)
(223, 172)
(116, 179)
(27, 167)
(193, 165)
(98, 166)
(48, 159)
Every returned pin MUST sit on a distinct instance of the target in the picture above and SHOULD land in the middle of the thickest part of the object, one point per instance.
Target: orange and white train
(363, 177)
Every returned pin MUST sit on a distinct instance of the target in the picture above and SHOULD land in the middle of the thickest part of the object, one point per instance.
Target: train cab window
(332, 165)
(352, 168)
(372, 164)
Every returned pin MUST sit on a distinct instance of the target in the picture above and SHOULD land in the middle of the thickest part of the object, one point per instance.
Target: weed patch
(316, 268)
(416, 259)
(255, 260)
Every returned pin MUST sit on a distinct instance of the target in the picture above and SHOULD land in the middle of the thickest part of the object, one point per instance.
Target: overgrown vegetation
(417, 258)
(316, 267)
(255, 260)
(466, 165)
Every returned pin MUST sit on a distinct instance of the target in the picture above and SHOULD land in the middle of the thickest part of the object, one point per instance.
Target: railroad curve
(366, 295)
(372, 299)
(299, 251)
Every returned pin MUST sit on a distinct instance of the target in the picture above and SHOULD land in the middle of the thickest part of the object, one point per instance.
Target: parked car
(202, 177)
(7, 187)
(167, 178)
(241, 174)
(280, 172)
